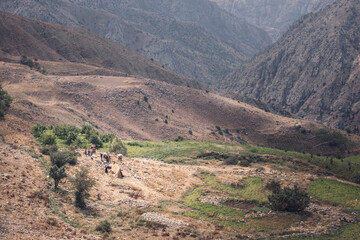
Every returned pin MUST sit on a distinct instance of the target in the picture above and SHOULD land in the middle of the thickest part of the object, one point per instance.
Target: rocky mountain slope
(58, 43)
(274, 16)
(195, 38)
(313, 70)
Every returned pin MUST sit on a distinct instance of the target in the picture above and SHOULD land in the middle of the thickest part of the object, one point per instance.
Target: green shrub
(71, 138)
(57, 174)
(86, 129)
(61, 158)
(80, 142)
(38, 130)
(94, 139)
(244, 163)
(82, 184)
(104, 227)
(231, 161)
(290, 200)
(107, 137)
(117, 146)
(49, 149)
(48, 139)
(61, 131)
(5, 101)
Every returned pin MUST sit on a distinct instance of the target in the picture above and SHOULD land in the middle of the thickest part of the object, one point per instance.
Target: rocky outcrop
(274, 16)
(313, 70)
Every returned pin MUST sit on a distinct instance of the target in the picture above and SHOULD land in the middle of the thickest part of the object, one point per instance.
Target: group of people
(107, 160)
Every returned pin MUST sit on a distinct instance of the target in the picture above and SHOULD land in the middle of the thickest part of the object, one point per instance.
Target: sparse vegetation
(104, 227)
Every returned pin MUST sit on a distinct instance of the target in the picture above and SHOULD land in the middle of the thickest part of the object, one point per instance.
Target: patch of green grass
(175, 150)
(347, 232)
(354, 159)
(336, 192)
(273, 223)
(191, 200)
(253, 190)
(340, 168)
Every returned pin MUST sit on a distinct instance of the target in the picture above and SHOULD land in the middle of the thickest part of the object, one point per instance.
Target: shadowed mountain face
(313, 70)
(59, 43)
(274, 16)
(195, 38)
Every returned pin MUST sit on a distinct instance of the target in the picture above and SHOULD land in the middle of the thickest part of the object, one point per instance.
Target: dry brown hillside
(35, 39)
(137, 108)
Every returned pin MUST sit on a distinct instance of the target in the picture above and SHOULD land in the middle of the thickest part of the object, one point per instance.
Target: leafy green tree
(57, 174)
(71, 138)
(107, 137)
(38, 130)
(5, 101)
(82, 184)
(80, 142)
(117, 146)
(48, 139)
(61, 158)
(94, 139)
(61, 131)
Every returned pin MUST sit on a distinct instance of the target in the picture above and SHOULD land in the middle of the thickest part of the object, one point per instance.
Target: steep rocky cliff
(274, 16)
(313, 70)
(195, 38)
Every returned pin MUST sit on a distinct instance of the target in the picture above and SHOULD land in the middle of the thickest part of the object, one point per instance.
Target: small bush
(61, 131)
(48, 139)
(117, 146)
(104, 227)
(71, 138)
(94, 139)
(80, 142)
(244, 163)
(231, 161)
(290, 200)
(57, 173)
(5, 101)
(82, 184)
(86, 129)
(61, 158)
(107, 137)
(38, 130)
(179, 139)
(49, 149)
(26, 61)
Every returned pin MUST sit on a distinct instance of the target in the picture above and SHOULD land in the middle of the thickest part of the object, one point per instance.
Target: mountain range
(313, 70)
(274, 16)
(23, 36)
(195, 38)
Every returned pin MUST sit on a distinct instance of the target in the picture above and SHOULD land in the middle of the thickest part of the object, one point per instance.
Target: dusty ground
(150, 193)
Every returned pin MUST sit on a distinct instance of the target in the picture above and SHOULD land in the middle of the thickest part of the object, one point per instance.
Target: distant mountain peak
(313, 70)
